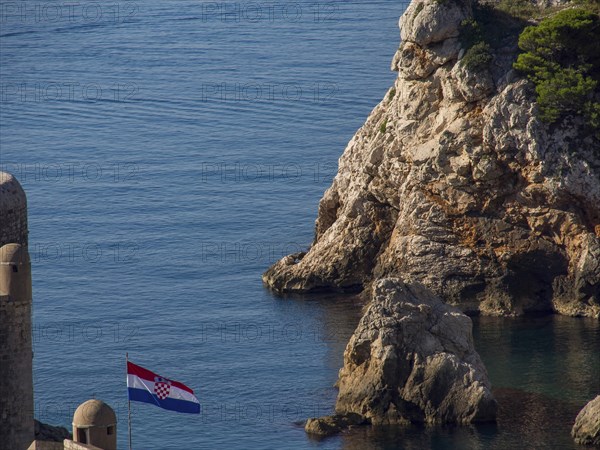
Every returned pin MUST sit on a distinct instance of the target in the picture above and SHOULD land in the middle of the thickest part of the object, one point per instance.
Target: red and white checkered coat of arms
(162, 387)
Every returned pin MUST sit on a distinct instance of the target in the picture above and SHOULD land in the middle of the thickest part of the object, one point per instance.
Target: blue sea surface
(171, 151)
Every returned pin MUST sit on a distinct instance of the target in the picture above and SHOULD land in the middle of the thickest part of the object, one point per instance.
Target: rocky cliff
(455, 182)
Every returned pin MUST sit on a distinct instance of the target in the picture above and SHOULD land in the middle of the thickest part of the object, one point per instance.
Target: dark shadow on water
(553, 355)
(322, 292)
(525, 421)
(542, 419)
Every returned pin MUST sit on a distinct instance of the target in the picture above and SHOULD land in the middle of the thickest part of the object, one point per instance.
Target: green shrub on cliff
(478, 54)
(562, 58)
(478, 57)
(593, 115)
(488, 29)
(470, 33)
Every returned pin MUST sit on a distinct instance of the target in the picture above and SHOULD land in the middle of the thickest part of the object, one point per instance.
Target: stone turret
(13, 210)
(95, 424)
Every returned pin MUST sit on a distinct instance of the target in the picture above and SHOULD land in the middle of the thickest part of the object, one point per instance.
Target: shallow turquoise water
(170, 154)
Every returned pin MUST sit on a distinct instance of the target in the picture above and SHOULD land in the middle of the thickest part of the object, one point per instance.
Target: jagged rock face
(426, 22)
(455, 182)
(586, 430)
(412, 360)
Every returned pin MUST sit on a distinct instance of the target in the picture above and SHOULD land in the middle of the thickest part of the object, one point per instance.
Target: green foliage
(383, 126)
(489, 28)
(491, 25)
(567, 91)
(567, 39)
(562, 58)
(392, 94)
(592, 112)
(478, 57)
(470, 33)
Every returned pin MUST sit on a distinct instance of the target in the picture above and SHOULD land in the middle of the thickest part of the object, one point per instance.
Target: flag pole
(128, 402)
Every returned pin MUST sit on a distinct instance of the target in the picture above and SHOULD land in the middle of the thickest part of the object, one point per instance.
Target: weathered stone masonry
(16, 380)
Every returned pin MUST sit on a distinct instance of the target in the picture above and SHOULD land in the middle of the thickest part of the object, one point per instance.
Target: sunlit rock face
(586, 430)
(455, 182)
(412, 360)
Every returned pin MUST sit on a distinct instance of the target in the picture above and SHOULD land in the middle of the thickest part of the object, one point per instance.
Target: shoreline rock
(410, 360)
(329, 425)
(586, 430)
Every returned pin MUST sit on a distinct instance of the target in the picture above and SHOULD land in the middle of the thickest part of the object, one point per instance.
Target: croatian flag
(148, 387)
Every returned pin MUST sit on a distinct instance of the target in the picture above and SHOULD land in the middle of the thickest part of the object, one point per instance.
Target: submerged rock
(586, 430)
(328, 425)
(411, 360)
(455, 182)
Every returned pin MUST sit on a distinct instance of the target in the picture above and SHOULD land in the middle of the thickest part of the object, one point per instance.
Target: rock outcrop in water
(455, 182)
(50, 433)
(411, 360)
(586, 430)
(328, 425)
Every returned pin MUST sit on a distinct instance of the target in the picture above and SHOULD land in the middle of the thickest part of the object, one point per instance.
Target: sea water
(171, 151)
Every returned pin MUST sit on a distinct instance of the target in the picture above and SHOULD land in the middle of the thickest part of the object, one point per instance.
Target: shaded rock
(328, 425)
(586, 430)
(45, 432)
(474, 85)
(412, 360)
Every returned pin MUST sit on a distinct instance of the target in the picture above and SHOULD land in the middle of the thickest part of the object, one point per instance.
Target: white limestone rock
(412, 360)
(427, 21)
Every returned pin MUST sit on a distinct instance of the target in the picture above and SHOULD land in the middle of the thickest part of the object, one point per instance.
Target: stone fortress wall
(16, 354)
